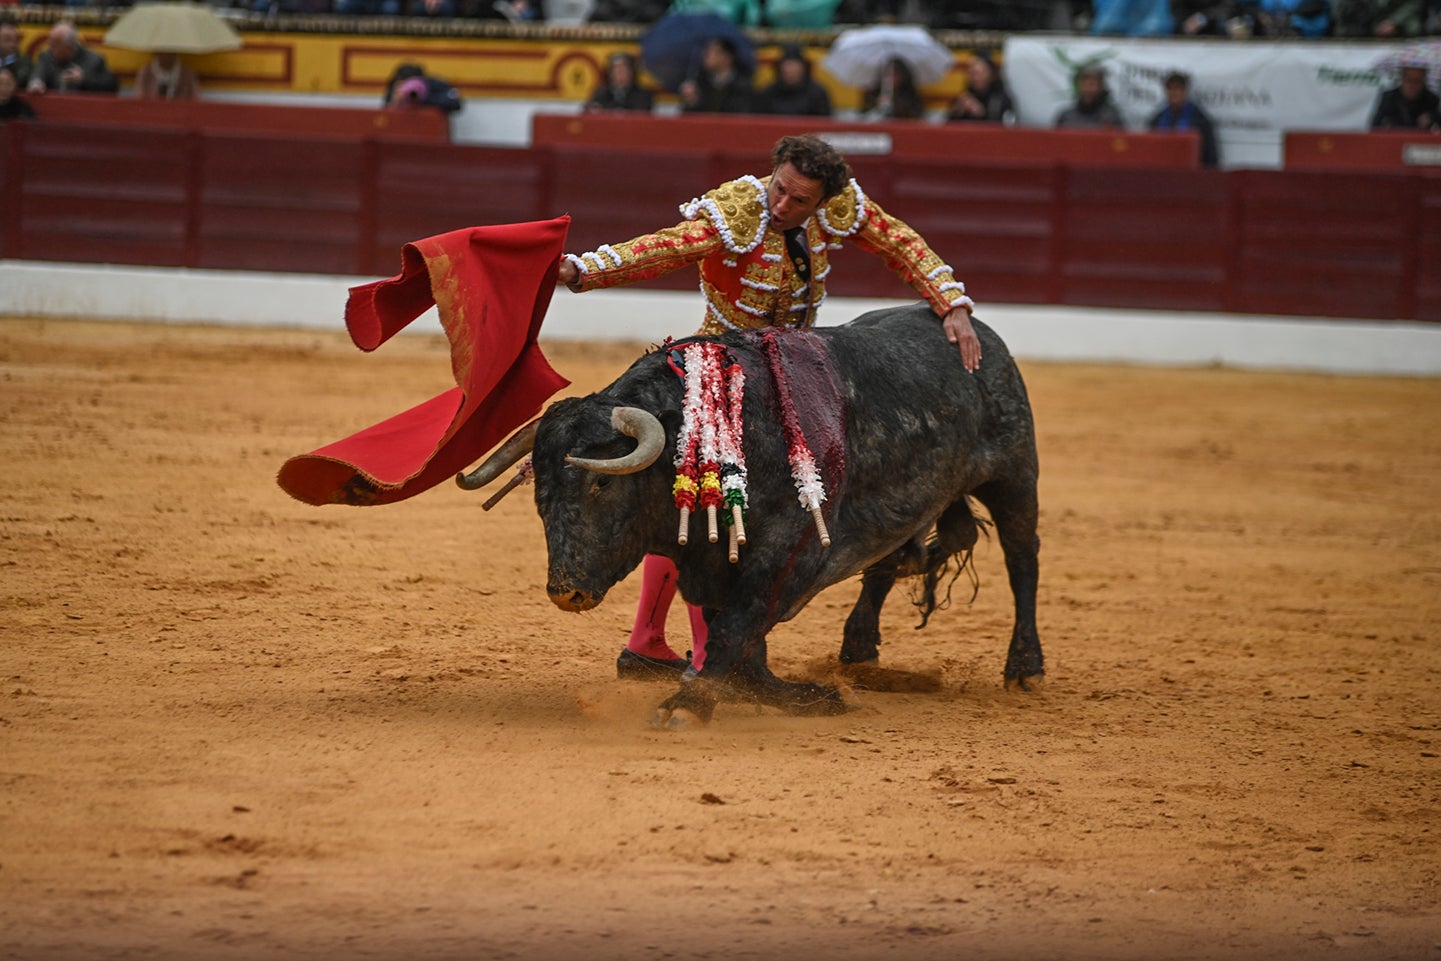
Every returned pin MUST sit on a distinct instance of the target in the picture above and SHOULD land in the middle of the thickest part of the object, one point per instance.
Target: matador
(763, 248)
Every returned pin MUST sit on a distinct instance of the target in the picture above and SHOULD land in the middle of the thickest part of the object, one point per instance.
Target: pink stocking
(699, 632)
(657, 589)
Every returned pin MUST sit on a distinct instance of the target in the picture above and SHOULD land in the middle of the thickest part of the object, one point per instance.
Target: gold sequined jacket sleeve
(729, 218)
(851, 215)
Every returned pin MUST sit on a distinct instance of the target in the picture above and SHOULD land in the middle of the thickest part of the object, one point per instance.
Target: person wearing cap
(794, 92)
(1182, 113)
(1409, 105)
(1093, 107)
(763, 249)
(618, 89)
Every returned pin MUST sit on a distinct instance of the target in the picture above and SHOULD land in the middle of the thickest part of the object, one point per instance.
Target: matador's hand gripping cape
(745, 276)
(492, 286)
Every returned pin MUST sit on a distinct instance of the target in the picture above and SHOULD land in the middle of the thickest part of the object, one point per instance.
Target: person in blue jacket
(1183, 113)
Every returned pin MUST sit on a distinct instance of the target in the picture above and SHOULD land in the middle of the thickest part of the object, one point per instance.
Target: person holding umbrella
(166, 78)
(1408, 105)
(169, 30)
(720, 85)
(762, 246)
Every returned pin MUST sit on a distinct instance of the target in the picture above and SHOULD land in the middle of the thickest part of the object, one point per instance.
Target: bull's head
(592, 490)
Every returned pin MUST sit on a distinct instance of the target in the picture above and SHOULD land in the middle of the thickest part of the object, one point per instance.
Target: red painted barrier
(1314, 243)
(961, 142)
(1376, 150)
(255, 118)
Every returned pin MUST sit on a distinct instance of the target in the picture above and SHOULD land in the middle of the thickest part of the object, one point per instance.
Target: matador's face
(792, 197)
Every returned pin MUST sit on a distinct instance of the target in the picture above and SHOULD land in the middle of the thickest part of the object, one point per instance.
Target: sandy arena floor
(235, 727)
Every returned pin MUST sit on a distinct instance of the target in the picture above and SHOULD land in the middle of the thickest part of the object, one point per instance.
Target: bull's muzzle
(573, 599)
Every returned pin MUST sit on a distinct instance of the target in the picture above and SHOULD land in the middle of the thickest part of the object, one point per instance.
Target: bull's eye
(602, 481)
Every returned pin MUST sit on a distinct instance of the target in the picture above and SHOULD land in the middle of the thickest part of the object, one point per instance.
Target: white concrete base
(31, 289)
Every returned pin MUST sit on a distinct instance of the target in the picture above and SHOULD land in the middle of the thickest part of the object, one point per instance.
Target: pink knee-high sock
(699, 632)
(657, 589)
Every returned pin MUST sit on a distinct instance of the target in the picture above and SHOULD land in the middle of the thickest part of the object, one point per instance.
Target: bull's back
(921, 429)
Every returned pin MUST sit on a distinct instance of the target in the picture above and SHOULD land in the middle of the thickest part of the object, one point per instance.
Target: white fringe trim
(692, 210)
(860, 214)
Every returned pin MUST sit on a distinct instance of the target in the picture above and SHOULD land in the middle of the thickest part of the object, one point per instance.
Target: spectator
(1288, 18)
(1132, 18)
(165, 77)
(1093, 107)
(894, 95)
(721, 86)
(431, 8)
(1380, 18)
(67, 65)
(1408, 106)
(1203, 18)
(12, 105)
(794, 92)
(618, 89)
(10, 54)
(1182, 113)
(368, 8)
(985, 96)
(628, 11)
(410, 87)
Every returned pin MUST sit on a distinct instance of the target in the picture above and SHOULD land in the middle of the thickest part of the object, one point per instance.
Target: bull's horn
(645, 427)
(507, 454)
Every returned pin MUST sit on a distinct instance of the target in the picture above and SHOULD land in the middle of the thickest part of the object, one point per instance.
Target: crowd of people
(722, 81)
(1214, 18)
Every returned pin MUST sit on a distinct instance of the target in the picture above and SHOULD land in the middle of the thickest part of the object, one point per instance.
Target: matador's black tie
(800, 254)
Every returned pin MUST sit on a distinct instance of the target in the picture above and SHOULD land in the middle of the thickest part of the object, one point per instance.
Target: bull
(921, 437)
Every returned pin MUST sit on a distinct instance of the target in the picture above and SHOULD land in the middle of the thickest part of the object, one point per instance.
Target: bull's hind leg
(1013, 508)
(955, 531)
(862, 638)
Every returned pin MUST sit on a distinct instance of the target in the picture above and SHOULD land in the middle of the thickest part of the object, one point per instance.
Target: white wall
(29, 289)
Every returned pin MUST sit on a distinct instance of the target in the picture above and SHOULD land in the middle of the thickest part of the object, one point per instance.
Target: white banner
(1253, 91)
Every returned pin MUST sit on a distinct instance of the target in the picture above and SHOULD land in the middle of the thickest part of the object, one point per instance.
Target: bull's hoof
(687, 708)
(678, 719)
(631, 666)
(1028, 684)
(860, 655)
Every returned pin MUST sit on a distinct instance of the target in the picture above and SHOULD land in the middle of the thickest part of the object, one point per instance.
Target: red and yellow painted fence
(532, 65)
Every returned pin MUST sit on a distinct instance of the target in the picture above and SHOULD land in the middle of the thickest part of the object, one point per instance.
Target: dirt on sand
(234, 726)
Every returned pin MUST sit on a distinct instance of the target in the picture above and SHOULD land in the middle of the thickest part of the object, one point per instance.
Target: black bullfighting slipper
(631, 666)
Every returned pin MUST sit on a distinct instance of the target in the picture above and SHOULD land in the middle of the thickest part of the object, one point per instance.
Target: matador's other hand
(959, 331)
(566, 273)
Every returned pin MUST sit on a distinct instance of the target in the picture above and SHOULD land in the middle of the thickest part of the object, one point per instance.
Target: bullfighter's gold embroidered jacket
(746, 277)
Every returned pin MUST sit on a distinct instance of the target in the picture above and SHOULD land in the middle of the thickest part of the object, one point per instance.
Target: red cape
(492, 286)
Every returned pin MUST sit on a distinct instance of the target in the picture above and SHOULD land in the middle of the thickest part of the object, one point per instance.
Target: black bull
(921, 436)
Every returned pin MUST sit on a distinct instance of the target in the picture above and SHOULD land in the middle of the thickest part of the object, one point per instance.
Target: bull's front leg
(735, 670)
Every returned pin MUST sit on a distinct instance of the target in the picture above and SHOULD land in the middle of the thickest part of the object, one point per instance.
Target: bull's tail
(950, 552)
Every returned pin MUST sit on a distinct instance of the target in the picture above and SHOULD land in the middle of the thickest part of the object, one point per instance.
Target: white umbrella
(1418, 53)
(172, 28)
(857, 56)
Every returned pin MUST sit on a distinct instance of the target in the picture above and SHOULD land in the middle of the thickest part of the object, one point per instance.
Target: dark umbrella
(671, 50)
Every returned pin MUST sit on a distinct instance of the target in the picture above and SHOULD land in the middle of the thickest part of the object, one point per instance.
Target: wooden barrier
(1374, 150)
(970, 142)
(256, 118)
(1314, 243)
